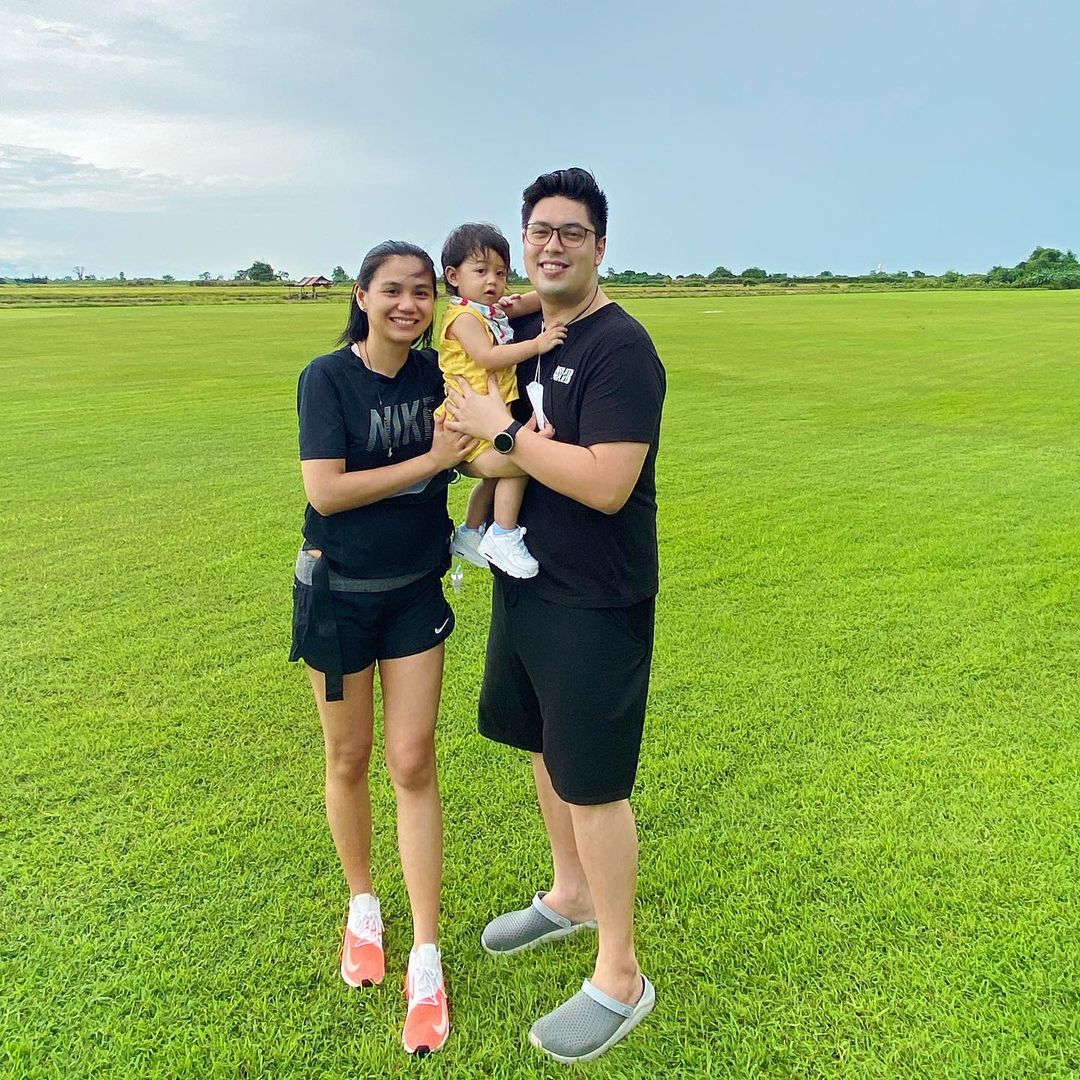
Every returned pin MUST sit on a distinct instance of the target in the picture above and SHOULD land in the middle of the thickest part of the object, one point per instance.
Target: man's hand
(482, 416)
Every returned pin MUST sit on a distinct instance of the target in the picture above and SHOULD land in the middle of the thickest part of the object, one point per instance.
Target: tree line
(1044, 268)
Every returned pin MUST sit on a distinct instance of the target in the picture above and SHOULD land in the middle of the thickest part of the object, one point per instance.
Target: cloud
(39, 179)
(164, 96)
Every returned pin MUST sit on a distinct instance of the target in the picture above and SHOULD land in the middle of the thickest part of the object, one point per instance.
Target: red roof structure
(312, 283)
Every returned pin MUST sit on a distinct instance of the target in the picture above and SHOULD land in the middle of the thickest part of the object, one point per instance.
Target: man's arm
(600, 476)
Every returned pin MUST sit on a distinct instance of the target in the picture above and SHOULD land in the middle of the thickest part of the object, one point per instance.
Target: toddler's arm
(474, 339)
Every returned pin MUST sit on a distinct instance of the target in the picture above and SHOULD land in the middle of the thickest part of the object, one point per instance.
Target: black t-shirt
(605, 383)
(347, 411)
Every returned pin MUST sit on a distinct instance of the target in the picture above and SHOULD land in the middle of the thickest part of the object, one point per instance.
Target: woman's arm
(475, 341)
(330, 489)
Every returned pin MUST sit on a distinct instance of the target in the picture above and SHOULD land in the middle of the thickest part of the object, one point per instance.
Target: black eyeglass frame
(557, 229)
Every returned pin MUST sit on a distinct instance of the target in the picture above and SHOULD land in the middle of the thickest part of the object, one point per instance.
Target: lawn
(860, 790)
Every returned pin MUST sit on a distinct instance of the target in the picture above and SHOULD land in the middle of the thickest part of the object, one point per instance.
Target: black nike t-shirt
(605, 383)
(370, 420)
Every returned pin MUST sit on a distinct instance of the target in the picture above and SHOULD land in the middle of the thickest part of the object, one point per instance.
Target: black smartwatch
(504, 441)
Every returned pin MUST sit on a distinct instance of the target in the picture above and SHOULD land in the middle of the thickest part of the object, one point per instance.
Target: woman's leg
(410, 689)
(347, 730)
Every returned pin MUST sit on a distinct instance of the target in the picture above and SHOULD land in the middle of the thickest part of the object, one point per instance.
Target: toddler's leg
(504, 543)
(481, 501)
(509, 491)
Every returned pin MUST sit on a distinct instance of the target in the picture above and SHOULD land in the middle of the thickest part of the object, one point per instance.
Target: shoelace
(370, 928)
(426, 983)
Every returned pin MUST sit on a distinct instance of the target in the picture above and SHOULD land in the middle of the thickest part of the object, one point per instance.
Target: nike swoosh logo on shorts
(440, 629)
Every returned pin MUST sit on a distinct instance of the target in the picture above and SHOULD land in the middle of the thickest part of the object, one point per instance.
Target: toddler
(475, 340)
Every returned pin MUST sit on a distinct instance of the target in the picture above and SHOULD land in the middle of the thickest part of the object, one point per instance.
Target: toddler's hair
(472, 238)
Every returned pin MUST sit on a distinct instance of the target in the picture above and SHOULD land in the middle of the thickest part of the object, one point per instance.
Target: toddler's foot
(506, 549)
(466, 545)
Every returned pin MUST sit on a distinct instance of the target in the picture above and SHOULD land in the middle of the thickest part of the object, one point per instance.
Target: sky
(175, 137)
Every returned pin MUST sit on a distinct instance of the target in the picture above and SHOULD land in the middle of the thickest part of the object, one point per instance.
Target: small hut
(313, 284)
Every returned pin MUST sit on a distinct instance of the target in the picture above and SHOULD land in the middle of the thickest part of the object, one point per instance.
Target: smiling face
(399, 301)
(561, 275)
(481, 277)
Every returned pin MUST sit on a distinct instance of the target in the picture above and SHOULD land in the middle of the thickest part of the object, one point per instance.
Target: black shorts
(570, 683)
(371, 626)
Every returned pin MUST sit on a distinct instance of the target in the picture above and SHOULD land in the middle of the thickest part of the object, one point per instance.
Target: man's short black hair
(472, 238)
(577, 184)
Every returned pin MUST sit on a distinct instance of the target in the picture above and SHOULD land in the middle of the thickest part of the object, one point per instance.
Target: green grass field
(860, 790)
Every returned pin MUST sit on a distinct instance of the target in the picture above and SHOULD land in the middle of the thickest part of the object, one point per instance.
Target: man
(569, 650)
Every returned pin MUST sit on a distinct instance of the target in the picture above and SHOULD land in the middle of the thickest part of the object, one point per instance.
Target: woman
(368, 592)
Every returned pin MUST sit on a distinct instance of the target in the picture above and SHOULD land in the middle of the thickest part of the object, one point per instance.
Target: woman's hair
(472, 238)
(356, 329)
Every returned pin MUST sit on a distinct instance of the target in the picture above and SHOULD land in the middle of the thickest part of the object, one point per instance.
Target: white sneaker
(466, 545)
(509, 553)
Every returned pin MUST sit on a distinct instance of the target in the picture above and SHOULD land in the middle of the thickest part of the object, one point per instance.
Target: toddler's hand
(550, 338)
(510, 303)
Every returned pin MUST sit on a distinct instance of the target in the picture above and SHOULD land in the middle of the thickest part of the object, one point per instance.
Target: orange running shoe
(361, 944)
(427, 1023)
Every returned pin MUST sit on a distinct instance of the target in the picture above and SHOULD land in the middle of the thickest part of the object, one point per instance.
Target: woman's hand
(449, 447)
(482, 416)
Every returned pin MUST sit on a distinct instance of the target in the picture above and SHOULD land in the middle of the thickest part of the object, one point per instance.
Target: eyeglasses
(571, 236)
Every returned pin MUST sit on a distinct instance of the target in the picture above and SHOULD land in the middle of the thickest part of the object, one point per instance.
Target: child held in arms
(476, 341)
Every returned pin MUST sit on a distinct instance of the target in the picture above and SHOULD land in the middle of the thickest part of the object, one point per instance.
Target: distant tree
(80, 272)
(917, 274)
(950, 277)
(338, 276)
(721, 273)
(220, 277)
(121, 277)
(1048, 268)
(753, 273)
(205, 275)
(167, 278)
(89, 277)
(260, 271)
(240, 275)
(515, 278)
(825, 274)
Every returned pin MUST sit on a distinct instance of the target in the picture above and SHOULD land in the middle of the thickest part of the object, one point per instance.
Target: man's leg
(606, 836)
(569, 894)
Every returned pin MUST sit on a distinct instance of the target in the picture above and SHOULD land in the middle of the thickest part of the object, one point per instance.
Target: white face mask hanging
(535, 390)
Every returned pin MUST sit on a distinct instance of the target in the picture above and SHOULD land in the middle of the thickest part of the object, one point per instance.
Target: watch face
(503, 442)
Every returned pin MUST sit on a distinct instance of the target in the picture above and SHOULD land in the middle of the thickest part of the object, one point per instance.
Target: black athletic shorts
(370, 625)
(570, 683)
